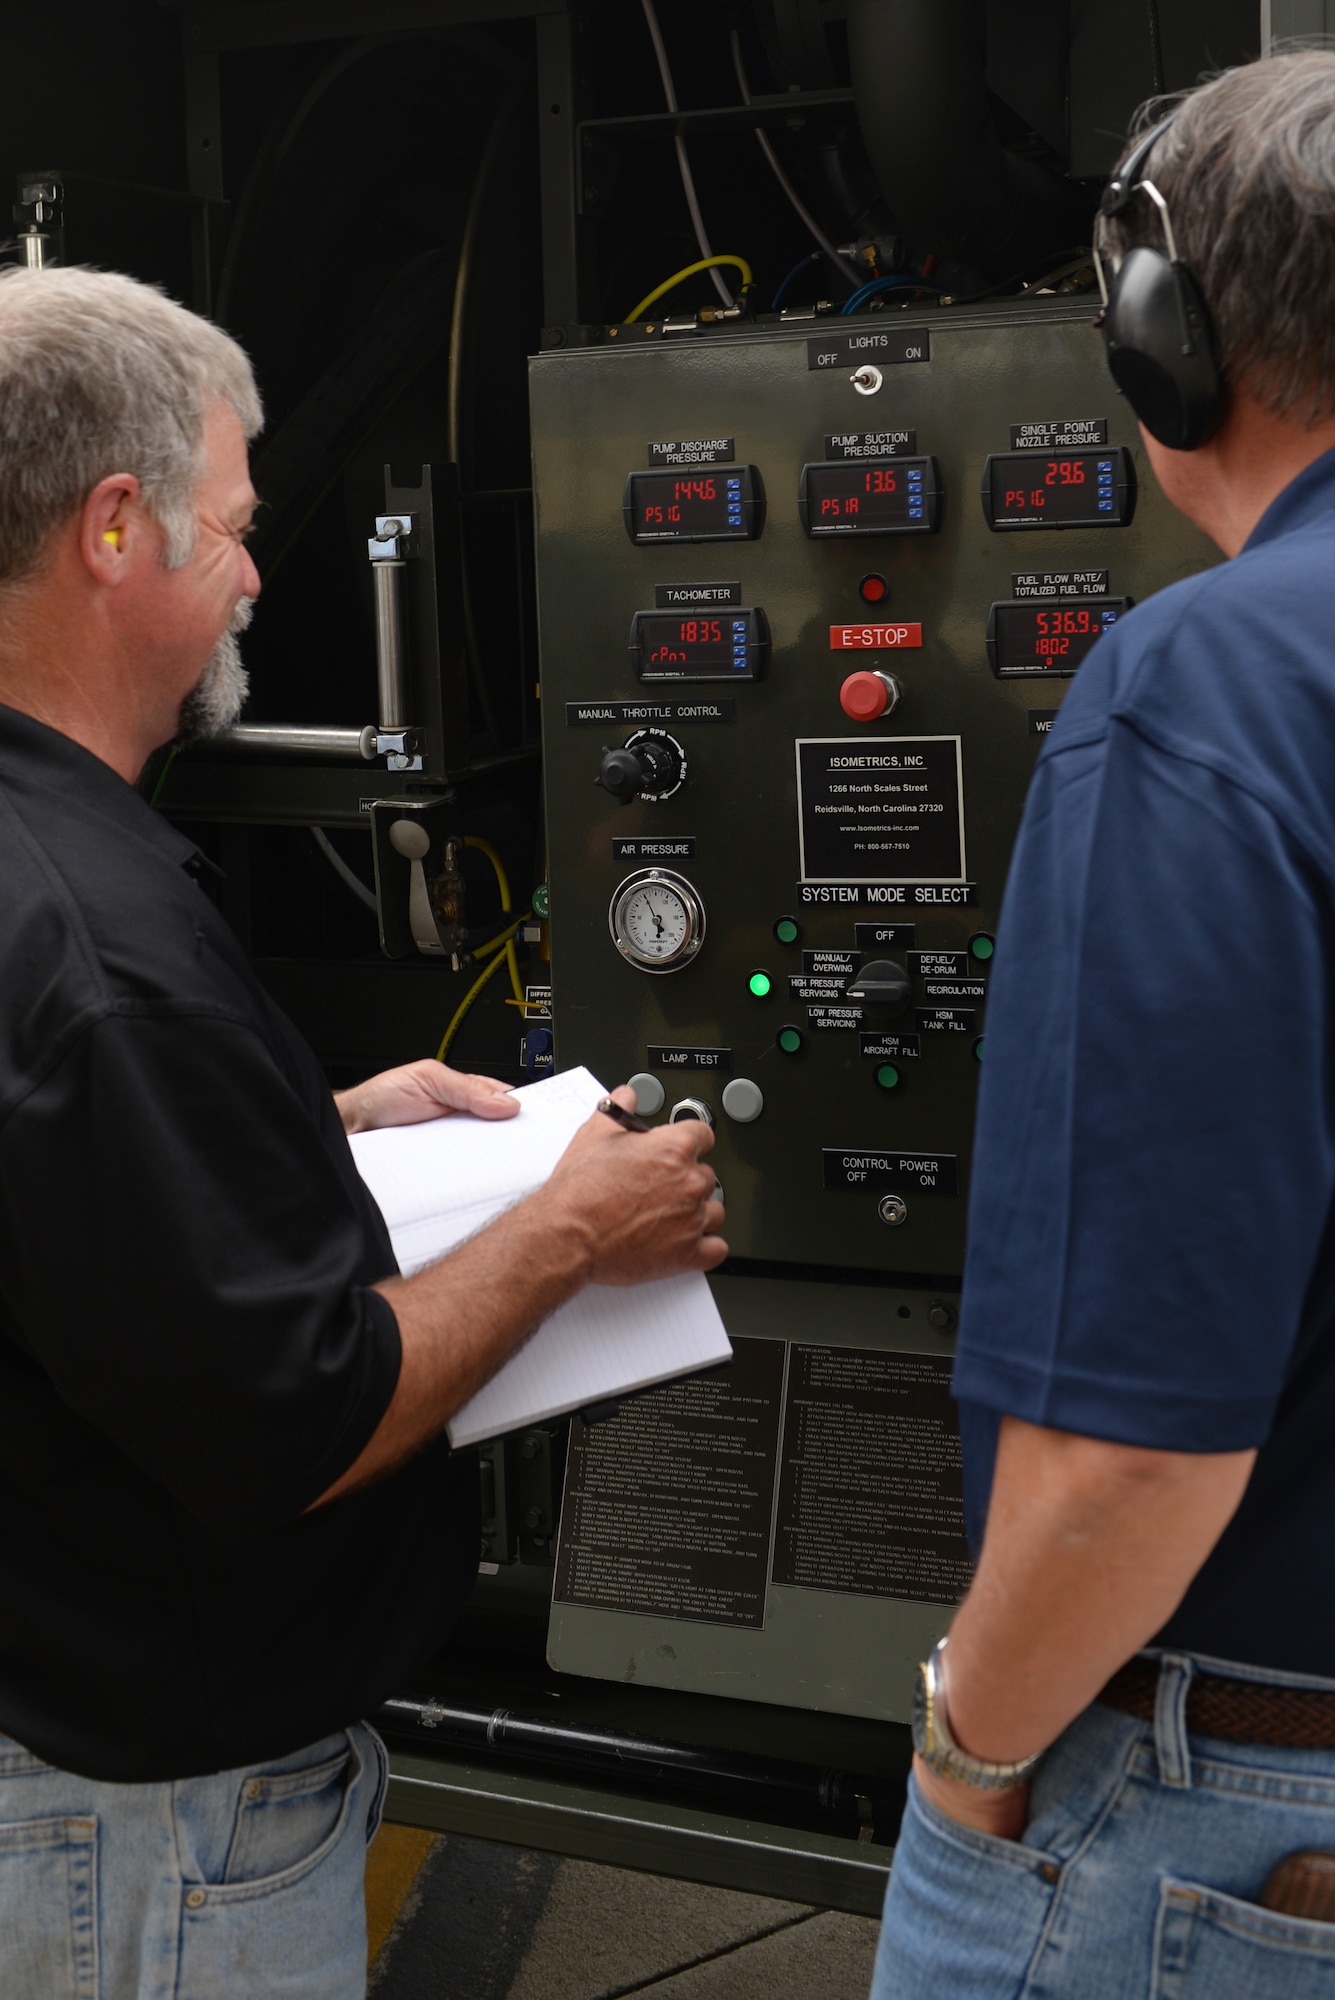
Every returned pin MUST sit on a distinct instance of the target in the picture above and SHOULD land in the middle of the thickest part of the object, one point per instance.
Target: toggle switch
(688, 1108)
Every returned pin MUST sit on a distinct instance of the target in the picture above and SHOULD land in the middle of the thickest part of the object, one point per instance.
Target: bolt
(941, 1316)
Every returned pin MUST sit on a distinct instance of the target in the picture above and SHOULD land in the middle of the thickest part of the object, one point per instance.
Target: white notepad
(443, 1181)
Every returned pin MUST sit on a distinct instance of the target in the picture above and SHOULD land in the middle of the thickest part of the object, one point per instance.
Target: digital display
(723, 645)
(710, 503)
(1049, 639)
(894, 496)
(1059, 489)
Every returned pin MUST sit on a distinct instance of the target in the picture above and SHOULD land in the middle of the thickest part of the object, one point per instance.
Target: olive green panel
(838, 1652)
(594, 412)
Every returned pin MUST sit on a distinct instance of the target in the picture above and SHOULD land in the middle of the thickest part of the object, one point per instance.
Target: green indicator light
(789, 1040)
(982, 946)
(759, 982)
(978, 1050)
(887, 1076)
(787, 930)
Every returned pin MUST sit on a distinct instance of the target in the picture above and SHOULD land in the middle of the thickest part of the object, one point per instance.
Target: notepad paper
(442, 1181)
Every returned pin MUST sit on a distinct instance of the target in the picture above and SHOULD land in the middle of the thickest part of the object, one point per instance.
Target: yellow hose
(503, 884)
(466, 1003)
(705, 264)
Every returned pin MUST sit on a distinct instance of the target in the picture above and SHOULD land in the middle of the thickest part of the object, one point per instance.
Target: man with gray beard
(233, 1523)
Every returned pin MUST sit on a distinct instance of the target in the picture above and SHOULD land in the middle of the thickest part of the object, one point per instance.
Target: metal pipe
(296, 739)
(391, 666)
(919, 79)
(769, 1786)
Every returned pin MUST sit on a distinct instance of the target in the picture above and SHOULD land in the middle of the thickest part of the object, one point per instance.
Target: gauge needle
(658, 923)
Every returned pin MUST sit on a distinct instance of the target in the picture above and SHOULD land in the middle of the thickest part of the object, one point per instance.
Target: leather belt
(1238, 1711)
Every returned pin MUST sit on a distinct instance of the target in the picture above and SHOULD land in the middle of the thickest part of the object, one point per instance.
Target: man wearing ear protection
(1124, 1784)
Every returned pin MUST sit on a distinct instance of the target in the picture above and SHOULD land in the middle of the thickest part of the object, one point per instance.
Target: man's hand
(1089, 1549)
(620, 1207)
(1004, 1814)
(418, 1091)
(642, 1201)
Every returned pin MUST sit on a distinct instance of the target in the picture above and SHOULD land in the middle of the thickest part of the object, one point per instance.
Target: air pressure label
(880, 809)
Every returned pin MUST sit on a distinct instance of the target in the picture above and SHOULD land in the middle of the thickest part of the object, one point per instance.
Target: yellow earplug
(113, 535)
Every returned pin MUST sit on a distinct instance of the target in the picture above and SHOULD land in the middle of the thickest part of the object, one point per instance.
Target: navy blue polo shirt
(1152, 1252)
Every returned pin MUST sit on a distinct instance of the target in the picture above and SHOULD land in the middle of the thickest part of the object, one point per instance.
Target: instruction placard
(880, 809)
(871, 1485)
(668, 1502)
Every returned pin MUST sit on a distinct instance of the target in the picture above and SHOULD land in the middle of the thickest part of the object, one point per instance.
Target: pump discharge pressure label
(880, 809)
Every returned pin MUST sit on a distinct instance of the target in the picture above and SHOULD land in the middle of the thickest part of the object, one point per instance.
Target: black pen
(625, 1119)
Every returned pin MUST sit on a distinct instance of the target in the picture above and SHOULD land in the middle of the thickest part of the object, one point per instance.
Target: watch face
(921, 1713)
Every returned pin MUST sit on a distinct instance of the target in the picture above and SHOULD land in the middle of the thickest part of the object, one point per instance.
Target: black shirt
(190, 1352)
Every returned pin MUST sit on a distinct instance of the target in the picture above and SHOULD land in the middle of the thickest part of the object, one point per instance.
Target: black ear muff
(1161, 349)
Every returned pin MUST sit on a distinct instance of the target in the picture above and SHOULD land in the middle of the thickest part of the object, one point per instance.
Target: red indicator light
(873, 589)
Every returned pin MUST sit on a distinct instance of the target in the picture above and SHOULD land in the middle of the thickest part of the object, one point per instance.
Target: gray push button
(649, 1093)
(742, 1100)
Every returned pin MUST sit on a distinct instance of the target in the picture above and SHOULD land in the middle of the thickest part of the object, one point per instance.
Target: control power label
(871, 1481)
(880, 809)
(911, 1173)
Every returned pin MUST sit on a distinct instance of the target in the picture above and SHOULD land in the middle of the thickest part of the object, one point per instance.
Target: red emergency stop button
(866, 696)
(873, 589)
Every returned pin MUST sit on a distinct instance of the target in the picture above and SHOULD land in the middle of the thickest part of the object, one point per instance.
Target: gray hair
(1247, 169)
(102, 374)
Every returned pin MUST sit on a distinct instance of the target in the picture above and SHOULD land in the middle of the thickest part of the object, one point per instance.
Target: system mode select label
(880, 809)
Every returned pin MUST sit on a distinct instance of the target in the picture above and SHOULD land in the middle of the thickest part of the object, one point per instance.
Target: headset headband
(1125, 184)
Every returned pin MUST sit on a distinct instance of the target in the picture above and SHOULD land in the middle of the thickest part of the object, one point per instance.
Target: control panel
(808, 606)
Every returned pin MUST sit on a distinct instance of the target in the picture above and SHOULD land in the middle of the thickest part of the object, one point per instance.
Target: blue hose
(880, 285)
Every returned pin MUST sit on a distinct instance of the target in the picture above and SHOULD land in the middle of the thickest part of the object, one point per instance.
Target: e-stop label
(874, 638)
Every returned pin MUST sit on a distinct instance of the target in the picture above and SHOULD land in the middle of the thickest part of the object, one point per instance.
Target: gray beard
(218, 696)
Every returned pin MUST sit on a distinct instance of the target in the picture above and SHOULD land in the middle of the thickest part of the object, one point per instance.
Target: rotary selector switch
(648, 765)
(868, 695)
(883, 990)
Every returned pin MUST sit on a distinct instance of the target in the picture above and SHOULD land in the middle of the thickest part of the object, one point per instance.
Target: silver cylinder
(35, 247)
(296, 739)
(390, 659)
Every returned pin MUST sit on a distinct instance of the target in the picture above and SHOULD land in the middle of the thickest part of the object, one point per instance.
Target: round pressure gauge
(657, 920)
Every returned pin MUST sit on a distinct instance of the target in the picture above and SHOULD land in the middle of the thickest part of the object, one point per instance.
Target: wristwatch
(937, 1747)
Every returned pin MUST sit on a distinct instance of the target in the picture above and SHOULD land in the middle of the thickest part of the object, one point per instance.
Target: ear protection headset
(1156, 325)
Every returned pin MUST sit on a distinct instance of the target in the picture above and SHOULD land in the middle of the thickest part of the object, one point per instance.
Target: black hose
(772, 1788)
(491, 153)
(1156, 49)
(918, 71)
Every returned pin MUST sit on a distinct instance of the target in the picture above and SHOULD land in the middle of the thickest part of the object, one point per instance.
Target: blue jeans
(1136, 1878)
(230, 1887)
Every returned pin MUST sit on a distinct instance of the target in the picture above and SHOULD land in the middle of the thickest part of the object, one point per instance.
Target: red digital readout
(1059, 472)
(682, 648)
(839, 506)
(1054, 631)
(686, 495)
